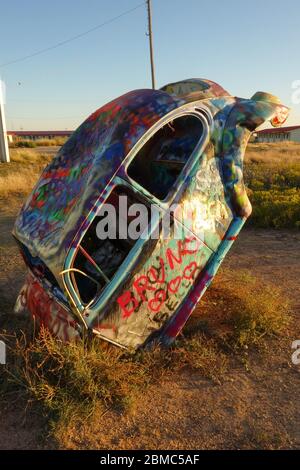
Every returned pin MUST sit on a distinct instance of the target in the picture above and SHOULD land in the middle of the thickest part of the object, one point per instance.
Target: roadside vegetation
(76, 383)
(55, 142)
(272, 175)
(19, 176)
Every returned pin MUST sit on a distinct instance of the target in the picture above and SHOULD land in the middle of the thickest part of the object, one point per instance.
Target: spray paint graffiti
(155, 280)
(47, 311)
(155, 286)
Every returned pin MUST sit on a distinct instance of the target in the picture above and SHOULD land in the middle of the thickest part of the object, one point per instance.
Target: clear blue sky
(245, 46)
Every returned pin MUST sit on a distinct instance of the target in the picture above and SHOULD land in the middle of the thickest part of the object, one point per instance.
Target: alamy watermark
(138, 220)
(2, 352)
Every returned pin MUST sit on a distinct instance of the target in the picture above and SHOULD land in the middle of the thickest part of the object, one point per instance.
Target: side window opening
(97, 260)
(157, 166)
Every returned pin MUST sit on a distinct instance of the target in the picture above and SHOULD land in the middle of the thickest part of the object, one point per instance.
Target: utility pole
(151, 42)
(4, 153)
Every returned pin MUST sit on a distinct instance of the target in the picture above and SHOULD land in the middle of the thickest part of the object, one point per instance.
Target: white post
(149, 9)
(4, 153)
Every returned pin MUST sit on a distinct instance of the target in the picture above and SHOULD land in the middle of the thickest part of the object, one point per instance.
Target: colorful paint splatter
(156, 285)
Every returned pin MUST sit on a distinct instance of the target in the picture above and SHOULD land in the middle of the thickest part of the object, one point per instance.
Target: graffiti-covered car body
(181, 146)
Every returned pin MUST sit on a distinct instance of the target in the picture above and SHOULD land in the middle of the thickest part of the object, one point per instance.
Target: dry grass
(74, 383)
(258, 310)
(56, 142)
(19, 177)
(243, 311)
(273, 153)
(199, 352)
(18, 183)
(28, 156)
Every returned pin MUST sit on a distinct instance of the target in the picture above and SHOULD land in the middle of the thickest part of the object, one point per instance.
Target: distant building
(36, 135)
(279, 134)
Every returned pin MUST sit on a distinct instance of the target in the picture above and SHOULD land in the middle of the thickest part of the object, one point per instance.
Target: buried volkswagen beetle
(94, 263)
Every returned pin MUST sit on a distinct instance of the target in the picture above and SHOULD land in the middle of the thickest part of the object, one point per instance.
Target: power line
(51, 101)
(47, 118)
(73, 38)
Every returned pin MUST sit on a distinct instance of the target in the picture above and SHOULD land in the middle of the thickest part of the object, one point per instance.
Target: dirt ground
(255, 408)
